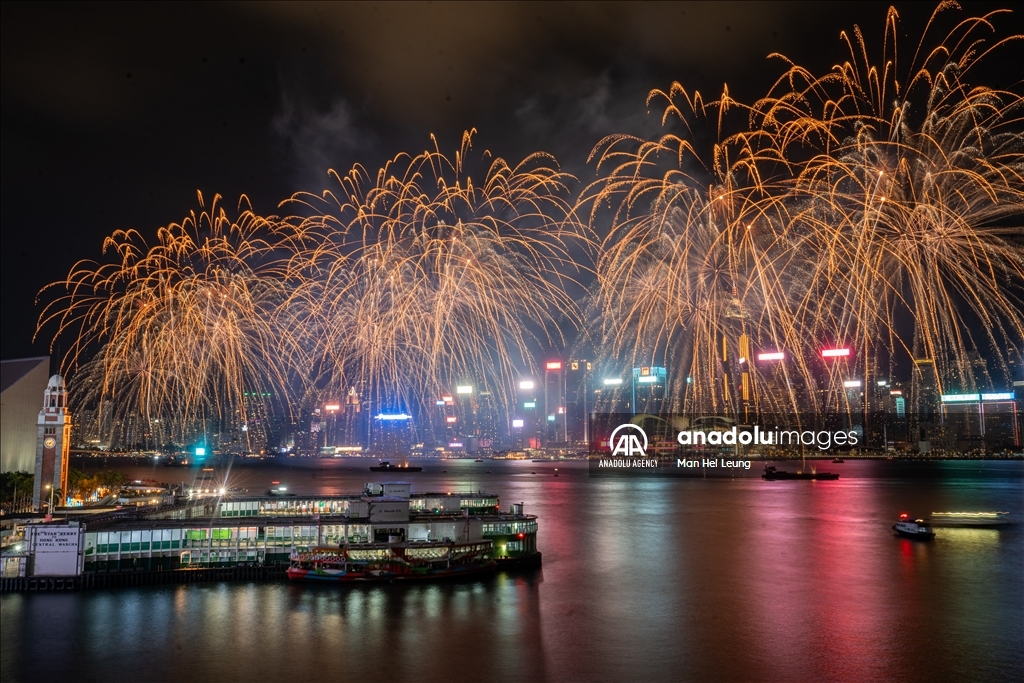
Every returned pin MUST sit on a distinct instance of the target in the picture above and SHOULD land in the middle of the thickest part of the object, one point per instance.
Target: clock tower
(53, 444)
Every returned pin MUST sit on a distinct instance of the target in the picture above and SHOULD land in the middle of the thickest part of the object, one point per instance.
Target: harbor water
(686, 579)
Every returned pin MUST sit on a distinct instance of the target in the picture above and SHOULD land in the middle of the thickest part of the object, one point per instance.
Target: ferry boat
(970, 518)
(391, 534)
(913, 528)
(773, 474)
(386, 466)
(394, 561)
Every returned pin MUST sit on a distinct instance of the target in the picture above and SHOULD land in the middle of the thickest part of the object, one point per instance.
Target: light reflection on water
(686, 579)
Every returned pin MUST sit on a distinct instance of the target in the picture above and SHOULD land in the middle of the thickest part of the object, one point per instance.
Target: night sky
(114, 115)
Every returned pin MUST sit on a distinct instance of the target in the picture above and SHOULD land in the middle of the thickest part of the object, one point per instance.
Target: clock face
(49, 442)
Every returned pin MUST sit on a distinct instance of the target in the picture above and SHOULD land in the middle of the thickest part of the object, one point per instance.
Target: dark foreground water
(643, 580)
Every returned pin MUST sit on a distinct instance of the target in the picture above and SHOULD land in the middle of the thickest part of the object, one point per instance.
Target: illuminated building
(897, 424)
(649, 386)
(981, 420)
(53, 444)
(316, 427)
(746, 387)
(878, 414)
(486, 423)
(578, 399)
(467, 407)
(530, 408)
(253, 431)
(613, 395)
(330, 427)
(23, 380)
(925, 422)
(833, 394)
(554, 402)
(341, 423)
(445, 423)
(1018, 395)
(778, 388)
(392, 434)
(518, 440)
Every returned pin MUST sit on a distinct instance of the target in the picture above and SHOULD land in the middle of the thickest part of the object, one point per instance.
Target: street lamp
(49, 510)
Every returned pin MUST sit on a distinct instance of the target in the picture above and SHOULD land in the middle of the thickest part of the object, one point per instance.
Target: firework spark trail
(877, 206)
(922, 192)
(185, 329)
(430, 276)
(829, 216)
(696, 252)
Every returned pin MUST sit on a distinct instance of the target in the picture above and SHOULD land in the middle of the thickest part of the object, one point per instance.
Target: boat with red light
(913, 528)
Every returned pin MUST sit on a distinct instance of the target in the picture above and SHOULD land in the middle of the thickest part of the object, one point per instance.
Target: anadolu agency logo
(628, 444)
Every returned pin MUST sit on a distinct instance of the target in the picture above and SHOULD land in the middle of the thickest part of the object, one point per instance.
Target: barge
(386, 466)
(773, 474)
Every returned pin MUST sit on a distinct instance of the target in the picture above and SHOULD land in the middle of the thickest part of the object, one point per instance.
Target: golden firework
(185, 332)
(430, 274)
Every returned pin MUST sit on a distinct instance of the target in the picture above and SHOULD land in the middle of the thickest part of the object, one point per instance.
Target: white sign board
(387, 509)
(56, 550)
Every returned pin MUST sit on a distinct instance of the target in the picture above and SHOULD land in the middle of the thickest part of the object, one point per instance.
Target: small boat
(913, 528)
(773, 474)
(838, 460)
(976, 519)
(479, 460)
(386, 466)
(277, 489)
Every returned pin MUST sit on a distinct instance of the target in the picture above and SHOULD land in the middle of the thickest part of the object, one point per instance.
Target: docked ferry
(392, 534)
(912, 528)
(386, 530)
(393, 561)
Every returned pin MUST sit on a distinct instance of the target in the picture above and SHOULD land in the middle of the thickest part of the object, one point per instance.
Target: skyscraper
(649, 387)
(613, 395)
(530, 410)
(925, 421)
(554, 402)
(578, 398)
(487, 431)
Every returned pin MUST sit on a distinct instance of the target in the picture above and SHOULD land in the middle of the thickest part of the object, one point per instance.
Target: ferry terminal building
(266, 530)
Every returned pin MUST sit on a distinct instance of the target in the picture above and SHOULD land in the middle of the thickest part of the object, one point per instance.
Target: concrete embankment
(275, 572)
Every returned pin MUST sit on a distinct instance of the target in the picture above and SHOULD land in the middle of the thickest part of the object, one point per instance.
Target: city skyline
(763, 253)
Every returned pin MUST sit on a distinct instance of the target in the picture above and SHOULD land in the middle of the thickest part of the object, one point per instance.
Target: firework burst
(185, 331)
(430, 275)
